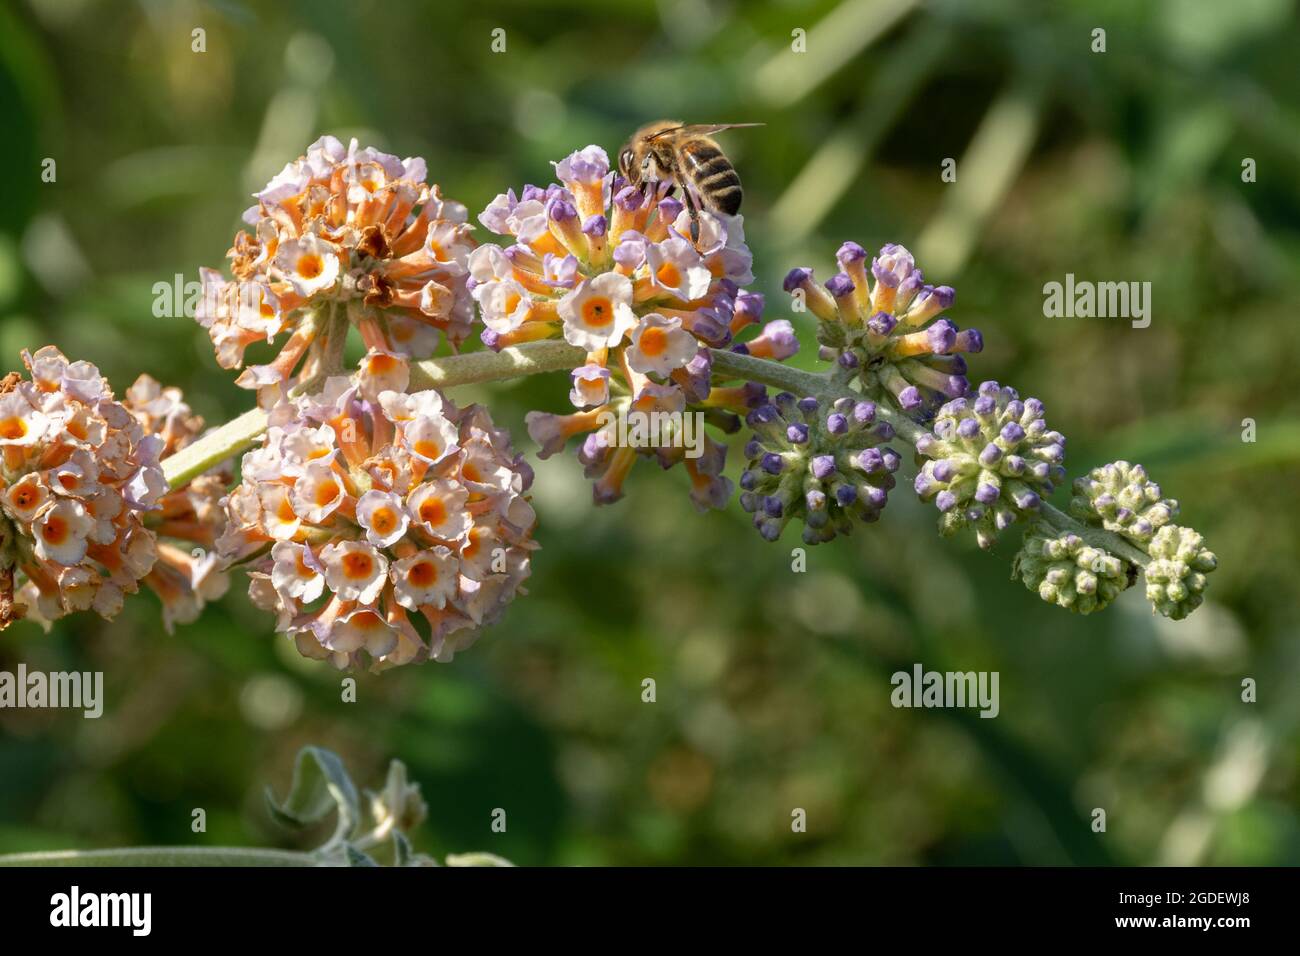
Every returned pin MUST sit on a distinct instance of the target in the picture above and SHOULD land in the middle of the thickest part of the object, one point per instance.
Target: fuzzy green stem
(163, 856)
(240, 434)
(823, 386)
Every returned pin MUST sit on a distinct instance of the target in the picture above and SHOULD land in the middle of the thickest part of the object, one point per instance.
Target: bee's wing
(700, 129)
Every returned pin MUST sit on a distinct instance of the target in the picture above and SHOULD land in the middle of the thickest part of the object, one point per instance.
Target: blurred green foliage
(772, 686)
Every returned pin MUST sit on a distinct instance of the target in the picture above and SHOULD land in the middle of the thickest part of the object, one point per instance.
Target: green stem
(163, 856)
(242, 433)
(823, 386)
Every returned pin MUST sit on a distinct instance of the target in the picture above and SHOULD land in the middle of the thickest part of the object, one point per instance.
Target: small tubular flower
(387, 530)
(187, 520)
(992, 459)
(1064, 570)
(612, 269)
(882, 323)
(825, 466)
(348, 233)
(78, 474)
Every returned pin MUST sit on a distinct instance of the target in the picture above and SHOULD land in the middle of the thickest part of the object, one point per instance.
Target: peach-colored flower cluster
(380, 525)
(612, 269)
(342, 233)
(186, 521)
(78, 473)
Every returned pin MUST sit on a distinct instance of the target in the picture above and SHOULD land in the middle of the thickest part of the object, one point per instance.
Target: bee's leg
(695, 213)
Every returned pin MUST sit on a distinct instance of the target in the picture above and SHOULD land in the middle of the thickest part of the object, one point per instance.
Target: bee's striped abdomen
(713, 176)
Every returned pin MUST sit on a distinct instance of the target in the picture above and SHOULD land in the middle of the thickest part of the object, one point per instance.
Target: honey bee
(687, 155)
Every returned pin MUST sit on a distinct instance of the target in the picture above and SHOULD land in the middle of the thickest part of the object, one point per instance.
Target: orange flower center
(428, 448)
(433, 512)
(598, 311)
(382, 364)
(13, 428)
(326, 492)
(56, 530)
(424, 574)
(310, 266)
(653, 341)
(383, 520)
(669, 274)
(358, 566)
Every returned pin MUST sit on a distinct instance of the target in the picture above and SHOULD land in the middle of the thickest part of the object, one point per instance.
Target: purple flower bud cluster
(1121, 498)
(824, 464)
(883, 322)
(1063, 570)
(992, 459)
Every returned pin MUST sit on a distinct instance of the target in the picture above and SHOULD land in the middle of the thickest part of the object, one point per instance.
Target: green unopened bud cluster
(1176, 574)
(1066, 571)
(1120, 497)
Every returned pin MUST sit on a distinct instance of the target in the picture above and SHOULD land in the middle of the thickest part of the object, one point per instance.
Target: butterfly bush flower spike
(342, 236)
(386, 530)
(826, 466)
(992, 459)
(612, 270)
(880, 322)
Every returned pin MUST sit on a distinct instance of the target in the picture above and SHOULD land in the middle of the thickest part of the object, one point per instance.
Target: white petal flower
(296, 573)
(361, 628)
(61, 531)
(309, 264)
(354, 570)
(598, 313)
(426, 578)
(383, 516)
(677, 268)
(660, 345)
(504, 304)
(438, 509)
(20, 423)
(382, 371)
(430, 437)
(318, 493)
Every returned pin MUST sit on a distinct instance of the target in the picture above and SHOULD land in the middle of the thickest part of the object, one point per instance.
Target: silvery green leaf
(320, 785)
(477, 859)
(355, 857)
(402, 851)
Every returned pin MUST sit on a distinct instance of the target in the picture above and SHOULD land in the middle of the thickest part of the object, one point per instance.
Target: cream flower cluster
(187, 520)
(612, 269)
(385, 528)
(341, 231)
(78, 474)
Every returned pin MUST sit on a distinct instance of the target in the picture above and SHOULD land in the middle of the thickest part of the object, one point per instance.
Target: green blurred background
(773, 686)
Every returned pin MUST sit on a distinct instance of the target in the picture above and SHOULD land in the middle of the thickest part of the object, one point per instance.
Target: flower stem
(821, 385)
(163, 856)
(240, 434)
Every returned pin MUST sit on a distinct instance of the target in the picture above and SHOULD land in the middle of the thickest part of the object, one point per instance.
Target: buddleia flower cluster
(1121, 498)
(991, 460)
(186, 520)
(79, 473)
(611, 269)
(1066, 571)
(825, 466)
(883, 325)
(381, 527)
(342, 236)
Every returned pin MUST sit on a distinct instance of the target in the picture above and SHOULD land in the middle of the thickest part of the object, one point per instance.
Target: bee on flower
(882, 322)
(379, 525)
(341, 236)
(611, 268)
(78, 474)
